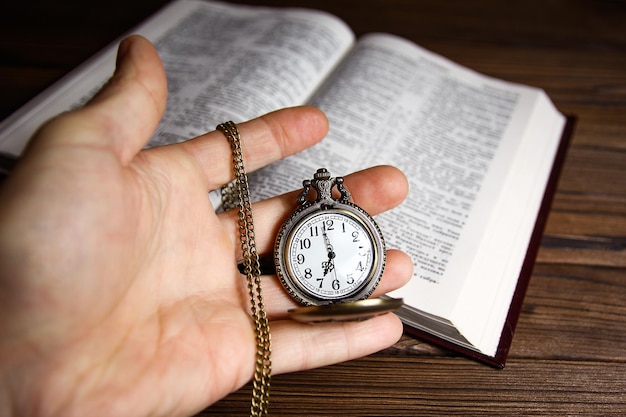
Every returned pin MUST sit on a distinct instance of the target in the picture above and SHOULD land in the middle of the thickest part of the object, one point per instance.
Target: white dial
(330, 254)
(329, 250)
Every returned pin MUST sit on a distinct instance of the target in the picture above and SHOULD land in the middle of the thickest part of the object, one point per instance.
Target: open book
(479, 152)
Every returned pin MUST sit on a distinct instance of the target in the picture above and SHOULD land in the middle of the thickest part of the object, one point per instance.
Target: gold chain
(252, 269)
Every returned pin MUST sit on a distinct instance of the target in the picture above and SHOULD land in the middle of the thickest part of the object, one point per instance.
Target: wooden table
(569, 351)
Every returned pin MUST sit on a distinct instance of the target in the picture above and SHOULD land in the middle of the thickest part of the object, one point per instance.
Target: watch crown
(321, 174)
(323, 184)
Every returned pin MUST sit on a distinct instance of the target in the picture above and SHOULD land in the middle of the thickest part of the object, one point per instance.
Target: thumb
(124, 114)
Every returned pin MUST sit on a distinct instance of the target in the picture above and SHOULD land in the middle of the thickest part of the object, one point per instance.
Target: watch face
(331, 255)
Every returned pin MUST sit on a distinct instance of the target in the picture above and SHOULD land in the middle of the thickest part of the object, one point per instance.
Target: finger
(124, 114)
(264, 140)
(398, 271)
(298, 346)
(376, 190)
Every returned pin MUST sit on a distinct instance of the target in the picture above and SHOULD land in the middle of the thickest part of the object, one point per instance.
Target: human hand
(119, 288)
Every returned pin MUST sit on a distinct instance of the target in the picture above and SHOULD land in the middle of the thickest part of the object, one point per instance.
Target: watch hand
(329, 246)
(333, 268)
(330, 265)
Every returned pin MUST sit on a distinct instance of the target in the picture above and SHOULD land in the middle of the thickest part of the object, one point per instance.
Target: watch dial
(330, 254)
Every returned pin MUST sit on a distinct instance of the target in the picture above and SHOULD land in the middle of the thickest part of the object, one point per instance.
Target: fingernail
(122, 51)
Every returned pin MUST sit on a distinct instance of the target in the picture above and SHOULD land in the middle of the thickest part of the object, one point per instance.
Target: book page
(223, 62)
(504, 240)
(237, 63)
(454, 133)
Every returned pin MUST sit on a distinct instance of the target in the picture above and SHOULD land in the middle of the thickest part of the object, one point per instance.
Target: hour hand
(330, 265)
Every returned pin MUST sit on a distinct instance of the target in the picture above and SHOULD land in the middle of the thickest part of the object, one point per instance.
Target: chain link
(237, 194)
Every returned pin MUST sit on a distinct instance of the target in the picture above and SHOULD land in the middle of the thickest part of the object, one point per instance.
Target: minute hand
(330, 265)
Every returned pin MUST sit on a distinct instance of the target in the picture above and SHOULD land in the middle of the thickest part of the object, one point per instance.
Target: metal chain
(252, 269)
(230, 196)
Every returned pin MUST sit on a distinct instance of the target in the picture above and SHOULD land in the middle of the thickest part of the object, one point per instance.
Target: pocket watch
(330, 255)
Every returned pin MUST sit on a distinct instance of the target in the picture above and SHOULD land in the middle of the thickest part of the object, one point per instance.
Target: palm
(121, 292)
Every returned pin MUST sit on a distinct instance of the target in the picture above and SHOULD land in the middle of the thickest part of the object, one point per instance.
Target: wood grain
(569, 351)
(381, 386)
